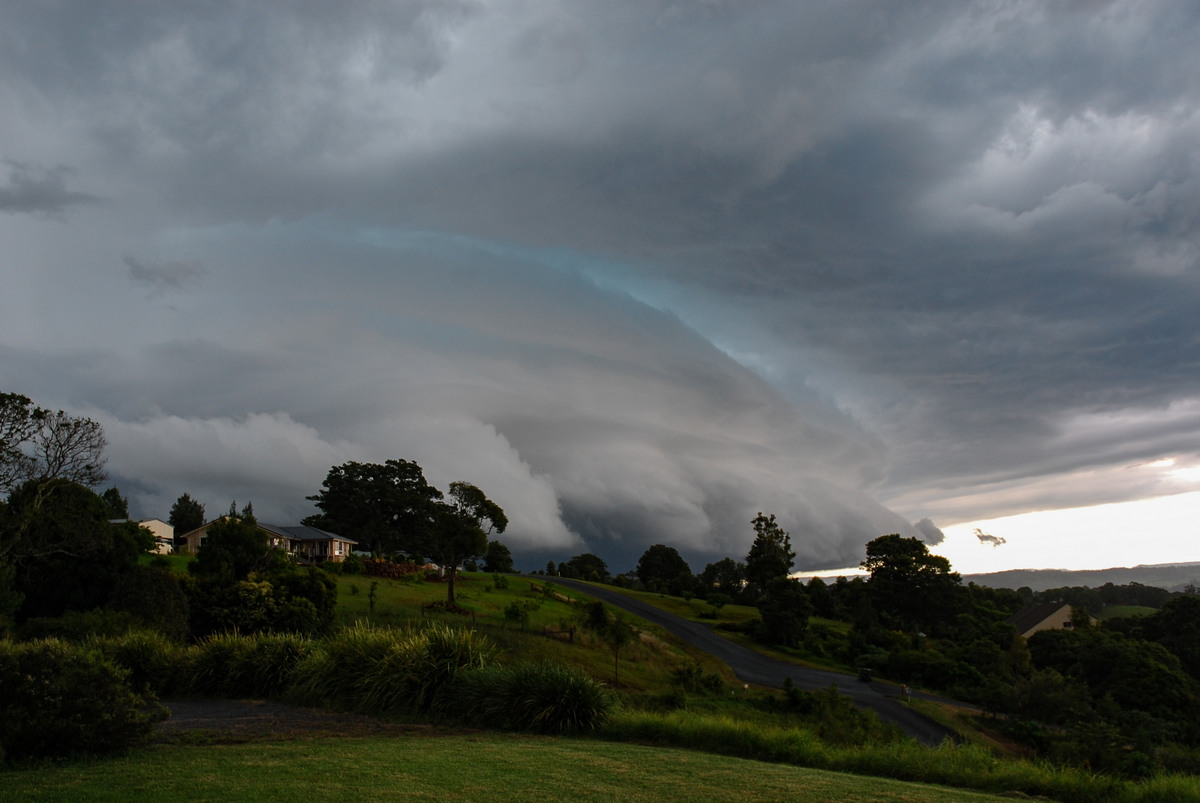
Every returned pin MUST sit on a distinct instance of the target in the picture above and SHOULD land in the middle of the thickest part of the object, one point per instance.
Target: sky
(638, 270)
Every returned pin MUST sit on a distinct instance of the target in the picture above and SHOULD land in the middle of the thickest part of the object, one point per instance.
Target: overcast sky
(639, 270)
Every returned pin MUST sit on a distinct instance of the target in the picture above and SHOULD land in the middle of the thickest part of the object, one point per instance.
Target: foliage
(58, 699)
(548, 698)
(155, 598)
(389, 507)
(661, 568)
(118, 506)
(65, 553)
(497, 558)
(909, 587)
(585, 567)
(233, 547)
(725, 576)
(461, 527)
(38, 445)
(770, 555)
(403, 570)
(784, 609)
(186, 515)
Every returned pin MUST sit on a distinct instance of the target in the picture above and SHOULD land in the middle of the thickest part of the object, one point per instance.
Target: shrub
(78, 625)
(549, 698)
(58, 699)
(151, 659)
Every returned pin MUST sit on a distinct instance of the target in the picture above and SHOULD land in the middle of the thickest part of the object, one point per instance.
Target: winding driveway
(761, 670)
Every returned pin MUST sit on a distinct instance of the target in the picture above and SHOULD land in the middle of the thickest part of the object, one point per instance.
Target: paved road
(752, 667)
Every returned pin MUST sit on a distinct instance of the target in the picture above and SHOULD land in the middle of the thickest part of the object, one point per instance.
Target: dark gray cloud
(163, 276)
(34, 189)
(649, 268)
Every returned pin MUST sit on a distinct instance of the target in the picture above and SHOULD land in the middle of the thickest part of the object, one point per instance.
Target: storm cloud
(637, 270)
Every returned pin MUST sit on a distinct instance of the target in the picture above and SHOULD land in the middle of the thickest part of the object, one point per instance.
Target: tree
(611, 628)
(233, 548)
(186, 515)
(497, 558)
(726, 576)
(462, 526)
(389, 507)
(585, 567)
(65, 554)
(118, 506)
(770, 556)
(39, 444)
(908, 585)
(661, 568)
(784, 611)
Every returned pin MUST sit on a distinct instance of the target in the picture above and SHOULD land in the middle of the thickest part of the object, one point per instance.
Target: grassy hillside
(463, 766)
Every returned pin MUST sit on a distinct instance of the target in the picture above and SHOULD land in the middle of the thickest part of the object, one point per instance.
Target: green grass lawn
(473, 766)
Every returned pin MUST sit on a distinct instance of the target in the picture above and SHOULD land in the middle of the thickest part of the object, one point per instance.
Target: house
(305, 544)
(1045, 616)
(164, 535)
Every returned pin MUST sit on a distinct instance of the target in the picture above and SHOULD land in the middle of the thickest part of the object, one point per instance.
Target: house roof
(1027, 618)
(301, 532)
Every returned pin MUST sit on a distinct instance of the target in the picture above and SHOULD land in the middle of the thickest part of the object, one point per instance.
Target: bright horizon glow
(1097, 537)
(1075, 539)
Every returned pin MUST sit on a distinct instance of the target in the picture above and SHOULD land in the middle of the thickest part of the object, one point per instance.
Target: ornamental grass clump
(421, 663)
(334, 669)
(548, 698)
(152, 659)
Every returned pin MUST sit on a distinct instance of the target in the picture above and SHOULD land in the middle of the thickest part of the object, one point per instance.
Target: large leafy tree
(463, 523)
(389, 507)
(770, 557)
(661, 568)
(497, 558)
(587, 566)
(725, 576)
(908, 586)
(65, 553)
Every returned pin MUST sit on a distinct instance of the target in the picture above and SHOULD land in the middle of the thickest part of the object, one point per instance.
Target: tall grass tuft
(421, 663)
(267, 664)
(215, 666)
(333, 670)
(152, 659)
(549, 698)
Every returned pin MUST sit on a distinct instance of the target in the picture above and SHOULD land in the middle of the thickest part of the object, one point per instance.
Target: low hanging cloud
(930, 533)
(993, 540)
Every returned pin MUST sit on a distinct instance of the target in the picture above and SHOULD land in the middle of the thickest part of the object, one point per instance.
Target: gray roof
(1027, 618)
(302, 532)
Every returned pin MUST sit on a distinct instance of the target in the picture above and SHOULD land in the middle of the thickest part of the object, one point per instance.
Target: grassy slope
(457, 766)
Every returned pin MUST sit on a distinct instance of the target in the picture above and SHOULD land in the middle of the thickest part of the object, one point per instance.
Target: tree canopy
(389, 507)
(770, 556)
(461, 528)
(186, 515)
(908, 585)
(662, 568)
(40, 444)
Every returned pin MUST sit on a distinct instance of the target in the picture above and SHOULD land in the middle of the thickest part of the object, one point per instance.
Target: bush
(549, 698)
(58, 699)
(151, 659)
(79, 625)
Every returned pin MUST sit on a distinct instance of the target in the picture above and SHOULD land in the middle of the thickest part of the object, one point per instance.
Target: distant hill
(1171, 576)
